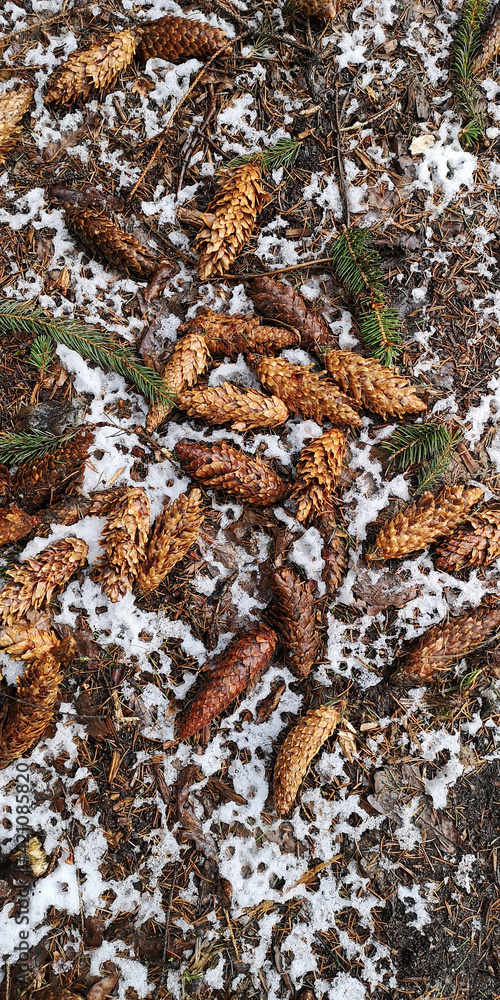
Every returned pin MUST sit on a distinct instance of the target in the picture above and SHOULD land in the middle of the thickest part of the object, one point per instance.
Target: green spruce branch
(26, 446)
(467, 45)
(282, 154)
(429, 446)
(89, 342)
(42, 352)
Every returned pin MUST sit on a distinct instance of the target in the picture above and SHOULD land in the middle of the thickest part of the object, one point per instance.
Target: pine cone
(94, 68)
(235, 207)
(24, 641)
(124, 539)
(241, 408)
(446, 643)
(5, 485)
(318, 469)
(34, 581)
(306, 392)
(31, 712)
(104, 238)
(240, 334)
(490, 44)
(275, 300)
(294, 610)
(13, 105)
(177, 39)
(234, 669)
(223, 467)
(318, 8)
(372, 385)
(424, 522)
(36, 483)
(477, 543)
(335, 551)
(174, 532)
(297, 752)
(189, 358)
(15, 524)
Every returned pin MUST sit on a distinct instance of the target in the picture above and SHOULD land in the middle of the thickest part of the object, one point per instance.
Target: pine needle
(27, 446)
(42, 352)
(89, 342)
(415, 444)
(467, 45)
(282, 154)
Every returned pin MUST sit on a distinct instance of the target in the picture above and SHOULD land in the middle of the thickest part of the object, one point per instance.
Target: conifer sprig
(282, 154)
(27, 446)
(467, 45)
(89, 342)
(427, 445)
(42, 352)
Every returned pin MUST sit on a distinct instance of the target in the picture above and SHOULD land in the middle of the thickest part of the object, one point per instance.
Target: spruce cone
(490, 44)
(95, 68)
(424, 522)
(372, 385)
(174, 532)
(124, 538)
(335, 551)
(318, 8)
(306, 392)
(223, 467)
(34, 581)
(177, 39)
(294, 610)
(235, 207)
(234, 669)
(240, 334)
(241, 408)
(29, 715)
(15, 524)
(36, 483)
(275, 300)
(446, 643)
(477, 543)
(318, 469)
(297, 752)
(13, 105)
(5, 485)
(189, 358)
(25, 641)
(104, 238)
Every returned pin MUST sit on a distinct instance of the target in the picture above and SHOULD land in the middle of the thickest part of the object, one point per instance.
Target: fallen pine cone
(237, 202)
(30, 712)
(104, 238)
(15, 524)
(318, 469)
(94, 68)
(188, 360)
(335, 550)
(124, 538)
(306, 392)
(174, 532)
(424, 522)
(13, 105)
(477, 543)
(177, 39)
(234, 670)
(276, 300)
(25, 641)
(318, 8)
(243, 409)
(34, 581)
(297, 752)
(490, 44)
(241, 334)
(294, 611)
(444, 644)
(223, 467)
(36, 483)
(372, 385)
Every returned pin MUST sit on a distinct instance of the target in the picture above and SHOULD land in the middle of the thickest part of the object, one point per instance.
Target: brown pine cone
(294, 611)
(318, 8)
(240, 334)
(104, 238)
(477, 543)
(30, 712)
(94, 68)
(177, 39)
(189, 358)
(372, 385)
(446, 643)
(5, 486)
(235, 207)
(233, 671)
(174, 532)
(297, 752)
(15, 524)
(335, 551)
(243, 409)
(424, 522)
(13, 105)
(25, 641)
(124, 538)
(306, 392)
(36, 483)
(33, 582)
(490, 44)
(318, 469)
(275, 300)
(223, 467)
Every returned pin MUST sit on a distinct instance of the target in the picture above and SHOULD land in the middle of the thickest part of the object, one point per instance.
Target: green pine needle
(432, 473)
(26, 446)
(427, 445)
(472, 131)
(468, 38)
(380, 331)
(357, 262)
(282, 154)
(42, 352)
(89, 342)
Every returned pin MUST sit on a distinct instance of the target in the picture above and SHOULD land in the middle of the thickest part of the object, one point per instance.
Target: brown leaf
(389, 590)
